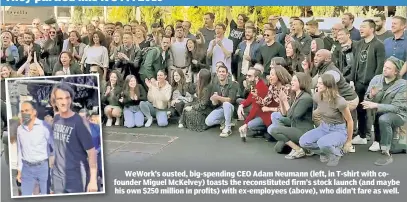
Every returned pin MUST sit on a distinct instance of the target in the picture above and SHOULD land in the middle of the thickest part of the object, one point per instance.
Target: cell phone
(252, 89)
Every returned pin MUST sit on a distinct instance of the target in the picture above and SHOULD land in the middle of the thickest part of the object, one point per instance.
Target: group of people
(297, 86)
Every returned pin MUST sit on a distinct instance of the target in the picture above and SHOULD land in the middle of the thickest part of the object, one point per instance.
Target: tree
(323, 11)
(401, 11)
(121, 14)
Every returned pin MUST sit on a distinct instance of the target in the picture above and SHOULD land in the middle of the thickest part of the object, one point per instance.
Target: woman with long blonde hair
(335, 133)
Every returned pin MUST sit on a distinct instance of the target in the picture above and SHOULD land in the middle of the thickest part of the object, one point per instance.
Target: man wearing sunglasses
(270, 50)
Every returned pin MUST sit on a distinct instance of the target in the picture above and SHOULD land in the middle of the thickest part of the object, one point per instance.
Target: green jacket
(153, 62)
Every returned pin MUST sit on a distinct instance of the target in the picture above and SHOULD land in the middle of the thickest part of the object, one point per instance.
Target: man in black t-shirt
(369, 60)
(75, 168)
(236, 34)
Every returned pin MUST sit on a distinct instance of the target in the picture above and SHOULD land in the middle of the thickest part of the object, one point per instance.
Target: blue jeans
(256, 124)
(33, 174)
(329, 138)
(275, 117)
(149, 111)
(133, 117)
(221, 114)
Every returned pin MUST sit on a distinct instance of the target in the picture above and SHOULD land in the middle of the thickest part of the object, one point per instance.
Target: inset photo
(54, 136)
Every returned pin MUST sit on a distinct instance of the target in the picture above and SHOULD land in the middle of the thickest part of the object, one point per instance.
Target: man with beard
(346, 59)
(246, 54)
(347, 20)
(258, 88)
(324, 65)
(75, 168)
(223, 98)
(387, 94)
(208, 31)
(179, 53)
(381, 32)
(397, 45)
(220, 49)
(270, 50)
(127, 56)
(369, 60)
(28, 47)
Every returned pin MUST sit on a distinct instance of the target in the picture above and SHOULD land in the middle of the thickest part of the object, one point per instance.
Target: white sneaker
(290, 155)
(149, 122)
(375, 147)
(117, 123)
(180, 125)
(109, 122)
(225, 133)
(359, 141)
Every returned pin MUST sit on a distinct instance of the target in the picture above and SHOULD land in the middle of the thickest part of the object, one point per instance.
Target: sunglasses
(52, 32)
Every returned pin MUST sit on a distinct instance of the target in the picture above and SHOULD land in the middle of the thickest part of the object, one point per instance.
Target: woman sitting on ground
(297, 116)
(182, 92)
(194, 115)
(159, 97)
(111, 98)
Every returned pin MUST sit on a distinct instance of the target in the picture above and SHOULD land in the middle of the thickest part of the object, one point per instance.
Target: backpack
(148, 49)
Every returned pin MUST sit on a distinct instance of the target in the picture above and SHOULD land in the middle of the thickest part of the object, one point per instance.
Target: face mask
(26, 118)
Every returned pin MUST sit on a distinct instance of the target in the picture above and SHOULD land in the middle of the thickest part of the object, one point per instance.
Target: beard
(379, 27)
(318, 65)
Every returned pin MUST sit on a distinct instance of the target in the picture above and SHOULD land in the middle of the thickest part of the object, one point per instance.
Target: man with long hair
(75, 168)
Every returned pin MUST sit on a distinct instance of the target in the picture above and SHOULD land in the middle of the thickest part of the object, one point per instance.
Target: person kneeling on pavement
(224, 92)
(387, 94)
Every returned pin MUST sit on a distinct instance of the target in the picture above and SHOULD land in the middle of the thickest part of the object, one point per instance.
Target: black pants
(86, 68)
(285, 134)
(364, 118)
(385, 126)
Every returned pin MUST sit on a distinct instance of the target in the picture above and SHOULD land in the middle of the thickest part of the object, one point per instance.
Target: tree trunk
(401, 11)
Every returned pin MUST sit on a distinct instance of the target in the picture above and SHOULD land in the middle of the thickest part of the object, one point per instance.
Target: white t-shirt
(179, 51)
(219, 56)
